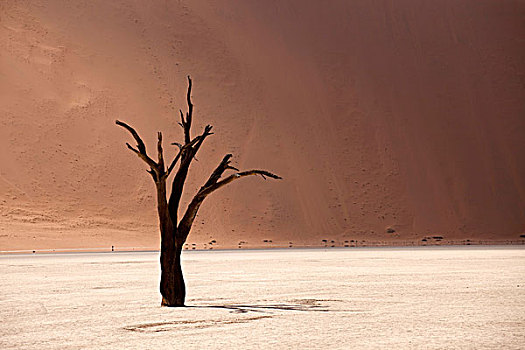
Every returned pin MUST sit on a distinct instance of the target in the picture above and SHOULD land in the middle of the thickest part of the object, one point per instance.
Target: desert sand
(389, 121)
(402, 298)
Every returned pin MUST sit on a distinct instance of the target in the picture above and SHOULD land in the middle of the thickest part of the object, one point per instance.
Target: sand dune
(405, 115)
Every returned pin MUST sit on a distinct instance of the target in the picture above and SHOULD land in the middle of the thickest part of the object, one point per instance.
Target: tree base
(173, 303)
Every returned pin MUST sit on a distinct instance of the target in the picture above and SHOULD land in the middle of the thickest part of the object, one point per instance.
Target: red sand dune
(378, 114)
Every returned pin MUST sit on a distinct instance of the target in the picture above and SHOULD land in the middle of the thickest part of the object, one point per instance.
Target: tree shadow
(261, 308)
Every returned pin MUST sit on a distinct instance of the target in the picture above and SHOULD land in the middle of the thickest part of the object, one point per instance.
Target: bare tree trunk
(173, 233)
(172, 287)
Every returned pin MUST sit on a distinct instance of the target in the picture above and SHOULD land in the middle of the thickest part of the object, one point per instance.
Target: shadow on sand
(265, 311)
(244, 308)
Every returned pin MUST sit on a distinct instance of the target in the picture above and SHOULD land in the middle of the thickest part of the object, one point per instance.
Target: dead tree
(174, 230)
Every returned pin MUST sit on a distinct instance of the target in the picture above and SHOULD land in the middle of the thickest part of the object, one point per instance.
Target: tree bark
(172, 287)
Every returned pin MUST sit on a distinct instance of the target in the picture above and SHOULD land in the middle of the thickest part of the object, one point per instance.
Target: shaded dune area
(390, 122)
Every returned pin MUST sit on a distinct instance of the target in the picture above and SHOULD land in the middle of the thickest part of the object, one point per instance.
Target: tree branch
(211, 185)
(141, 147)
(156, 170)
(200, 139)
(131, 148)
(186, 155)
(173, 162)
(217, 173)
(177, 157)
(182, 121)
(189, 114)
(160, 152)
(264, 174)
(140, 144)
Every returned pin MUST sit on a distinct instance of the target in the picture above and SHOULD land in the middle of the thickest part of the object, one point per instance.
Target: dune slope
(381, 116)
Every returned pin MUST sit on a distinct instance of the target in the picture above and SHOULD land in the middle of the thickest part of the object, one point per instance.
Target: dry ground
(465, 298)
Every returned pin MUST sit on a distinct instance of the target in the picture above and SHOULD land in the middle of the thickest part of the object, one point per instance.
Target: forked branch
(213, 184)
(186, 154)
(263, 173)
(141, 147)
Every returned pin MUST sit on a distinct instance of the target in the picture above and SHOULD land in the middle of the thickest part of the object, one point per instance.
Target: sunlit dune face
(379, 117)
